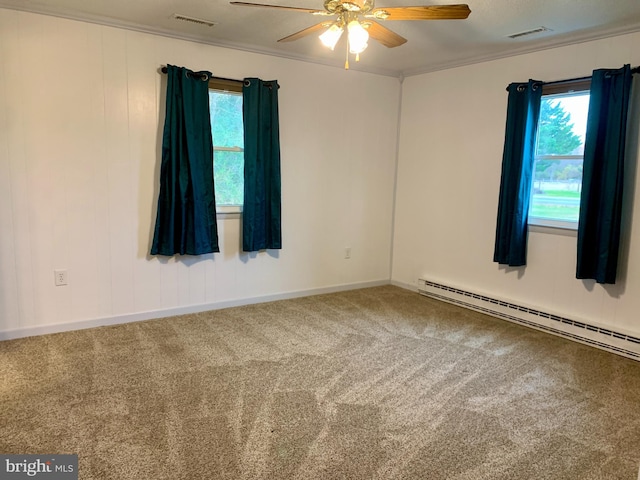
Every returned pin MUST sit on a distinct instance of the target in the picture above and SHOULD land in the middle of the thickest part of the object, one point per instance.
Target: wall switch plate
(60, 277)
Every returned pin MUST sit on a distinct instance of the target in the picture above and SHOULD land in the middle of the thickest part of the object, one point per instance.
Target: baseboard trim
(406, 286)
(172, 312)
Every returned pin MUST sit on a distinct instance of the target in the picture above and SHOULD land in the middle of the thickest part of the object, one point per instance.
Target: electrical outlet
(347, 252)
(60, 277)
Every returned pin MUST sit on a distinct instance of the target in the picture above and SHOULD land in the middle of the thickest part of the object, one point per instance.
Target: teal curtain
(603, 175)
(186, 219)
(261, 212)
(523, 109)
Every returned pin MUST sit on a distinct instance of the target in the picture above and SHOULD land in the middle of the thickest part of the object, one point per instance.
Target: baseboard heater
(606, 339)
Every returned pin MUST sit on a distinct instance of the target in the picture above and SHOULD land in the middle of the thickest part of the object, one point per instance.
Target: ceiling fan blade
(307, 31)
(433, 12)
(296, 9)
(385, 36)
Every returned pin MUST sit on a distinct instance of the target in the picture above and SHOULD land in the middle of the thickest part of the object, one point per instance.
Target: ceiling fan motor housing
(340, 6)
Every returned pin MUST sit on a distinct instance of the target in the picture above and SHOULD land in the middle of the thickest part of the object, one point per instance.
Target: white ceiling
(432, 45)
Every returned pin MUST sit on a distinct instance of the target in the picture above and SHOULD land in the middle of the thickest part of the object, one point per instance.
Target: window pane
(556, 190)
(229, 177)
(563, 124)
(557, 177)
(227, 131)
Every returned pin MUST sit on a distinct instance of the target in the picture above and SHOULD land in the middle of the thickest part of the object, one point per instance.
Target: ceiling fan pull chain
(346, 59)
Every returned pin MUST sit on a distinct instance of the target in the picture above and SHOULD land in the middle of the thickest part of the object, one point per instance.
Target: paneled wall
(452, 134)
(81, 111)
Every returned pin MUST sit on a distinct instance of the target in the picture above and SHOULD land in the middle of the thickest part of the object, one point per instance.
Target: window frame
(567, 87)
(225, 85)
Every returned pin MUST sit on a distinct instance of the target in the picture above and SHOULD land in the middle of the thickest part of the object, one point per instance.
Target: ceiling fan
(359, 18)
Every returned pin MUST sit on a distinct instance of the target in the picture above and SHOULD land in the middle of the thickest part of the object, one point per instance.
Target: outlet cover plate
(60, 277)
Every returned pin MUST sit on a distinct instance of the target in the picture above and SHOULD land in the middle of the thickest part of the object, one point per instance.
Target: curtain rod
(164, 70)
(577, 79)
(558, 82)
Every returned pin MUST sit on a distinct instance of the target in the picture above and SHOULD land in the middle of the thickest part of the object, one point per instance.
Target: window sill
(555, 227)
(228, 211)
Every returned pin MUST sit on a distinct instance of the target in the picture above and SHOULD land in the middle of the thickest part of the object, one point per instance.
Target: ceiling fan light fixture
(331, 36)
(358, 37)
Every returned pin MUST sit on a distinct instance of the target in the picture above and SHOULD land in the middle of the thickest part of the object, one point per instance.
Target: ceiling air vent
(198, 21)
(530, 32)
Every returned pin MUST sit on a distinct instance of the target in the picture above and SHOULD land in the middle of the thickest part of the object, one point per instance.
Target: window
(557, 174)
(225, 107)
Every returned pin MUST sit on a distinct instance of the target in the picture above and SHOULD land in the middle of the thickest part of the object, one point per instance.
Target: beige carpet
(377, 383)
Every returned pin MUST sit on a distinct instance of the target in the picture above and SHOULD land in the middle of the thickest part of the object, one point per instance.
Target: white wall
(81, 108)
(451, 138)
